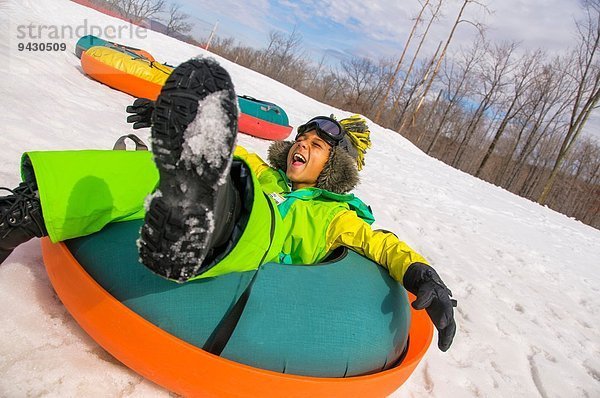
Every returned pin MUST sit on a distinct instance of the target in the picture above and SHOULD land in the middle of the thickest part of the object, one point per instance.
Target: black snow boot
(194, 127)
(20, 218)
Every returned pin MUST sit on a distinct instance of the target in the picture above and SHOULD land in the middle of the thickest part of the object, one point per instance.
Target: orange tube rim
(119, 80)
(190, 371)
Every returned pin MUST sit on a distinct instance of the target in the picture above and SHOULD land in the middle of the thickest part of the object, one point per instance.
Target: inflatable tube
(262, 129)
(262, 119)
(136, 76)
(127, 327)
(135, 72)
(264, 110)
(86, 42)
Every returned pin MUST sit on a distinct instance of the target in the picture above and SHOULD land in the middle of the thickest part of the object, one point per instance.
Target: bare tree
(177, 21)
(587, 95)
(416, 89)
(493, 73)
(542, 115)
(395, 73)
(415, 56)
(443, 54)
(521, 81)
(317, 72)
(138, 10)
(370, 104)
(222, 46)
(499, 114)
(283, 53)
(458, 85)
(360, 73)
(582, 169)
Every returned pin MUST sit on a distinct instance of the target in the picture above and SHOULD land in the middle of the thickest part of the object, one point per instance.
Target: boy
(215, 211)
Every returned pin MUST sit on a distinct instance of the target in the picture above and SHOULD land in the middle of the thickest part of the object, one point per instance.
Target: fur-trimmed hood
(340, 174)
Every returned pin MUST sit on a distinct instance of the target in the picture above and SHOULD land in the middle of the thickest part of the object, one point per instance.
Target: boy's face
(306, 160)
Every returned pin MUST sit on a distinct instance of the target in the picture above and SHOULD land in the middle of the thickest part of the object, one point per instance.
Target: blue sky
(379, 28)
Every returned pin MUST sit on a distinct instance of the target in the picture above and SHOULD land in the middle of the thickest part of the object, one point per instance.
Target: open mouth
(298, 159)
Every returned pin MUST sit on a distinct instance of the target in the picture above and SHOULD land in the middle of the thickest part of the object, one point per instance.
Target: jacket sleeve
(252, 160)
(383, 247)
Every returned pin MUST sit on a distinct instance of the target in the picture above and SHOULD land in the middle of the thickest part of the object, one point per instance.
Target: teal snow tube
(264, 110)
(89, 41)
(262, 119)
(344, 317)
(86, 42)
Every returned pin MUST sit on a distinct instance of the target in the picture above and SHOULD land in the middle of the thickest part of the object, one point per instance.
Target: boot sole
(193, 156)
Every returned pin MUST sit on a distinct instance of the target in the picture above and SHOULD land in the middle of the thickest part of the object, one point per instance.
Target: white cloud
(253, 14)
(547, 24)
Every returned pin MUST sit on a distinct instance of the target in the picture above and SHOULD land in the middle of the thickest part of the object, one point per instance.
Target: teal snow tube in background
(89, 41)
(342, 318)
(263, 110)
(262, 119)
(258, 118)
(86, 42)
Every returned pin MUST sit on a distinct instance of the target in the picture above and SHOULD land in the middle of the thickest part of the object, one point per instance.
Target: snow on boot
(20, 218)
(194, 128)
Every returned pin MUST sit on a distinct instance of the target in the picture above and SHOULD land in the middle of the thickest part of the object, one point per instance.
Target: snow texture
(206, 135)
(527, 279)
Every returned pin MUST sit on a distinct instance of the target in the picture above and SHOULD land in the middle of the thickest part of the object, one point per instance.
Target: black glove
(432, 295)
(142, 110)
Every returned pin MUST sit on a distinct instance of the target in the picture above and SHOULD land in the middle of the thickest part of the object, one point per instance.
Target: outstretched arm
(433, 296)
(404, 265)
(383, 247)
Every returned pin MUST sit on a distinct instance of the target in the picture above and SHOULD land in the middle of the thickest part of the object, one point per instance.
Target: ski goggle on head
(327, 128)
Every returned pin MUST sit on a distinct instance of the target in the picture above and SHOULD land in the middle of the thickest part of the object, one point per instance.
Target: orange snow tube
(190, 371)
(137, 76)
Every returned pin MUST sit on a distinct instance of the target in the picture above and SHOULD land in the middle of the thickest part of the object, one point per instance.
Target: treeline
(159, 15)
(510, 117)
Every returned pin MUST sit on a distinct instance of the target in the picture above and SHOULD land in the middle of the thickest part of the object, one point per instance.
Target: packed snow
(208, 137)
(526, 278)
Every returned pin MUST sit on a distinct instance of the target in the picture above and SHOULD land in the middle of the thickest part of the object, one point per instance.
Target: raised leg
(193, 137)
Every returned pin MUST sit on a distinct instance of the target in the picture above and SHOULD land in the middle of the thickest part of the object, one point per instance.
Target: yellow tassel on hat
(358, 132)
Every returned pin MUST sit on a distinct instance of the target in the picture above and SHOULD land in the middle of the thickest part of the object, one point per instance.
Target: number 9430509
(34, 46)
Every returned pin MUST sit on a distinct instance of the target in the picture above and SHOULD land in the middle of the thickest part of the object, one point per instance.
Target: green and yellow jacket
(313, 222)
(285, 226)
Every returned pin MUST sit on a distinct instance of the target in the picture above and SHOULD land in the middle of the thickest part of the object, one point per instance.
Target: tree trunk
(439, 62)
(393, 76)
(590, 41)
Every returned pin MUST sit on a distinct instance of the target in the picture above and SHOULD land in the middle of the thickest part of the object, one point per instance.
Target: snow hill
(526, 278)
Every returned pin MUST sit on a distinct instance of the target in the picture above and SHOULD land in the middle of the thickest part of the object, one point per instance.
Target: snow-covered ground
(526, 278)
